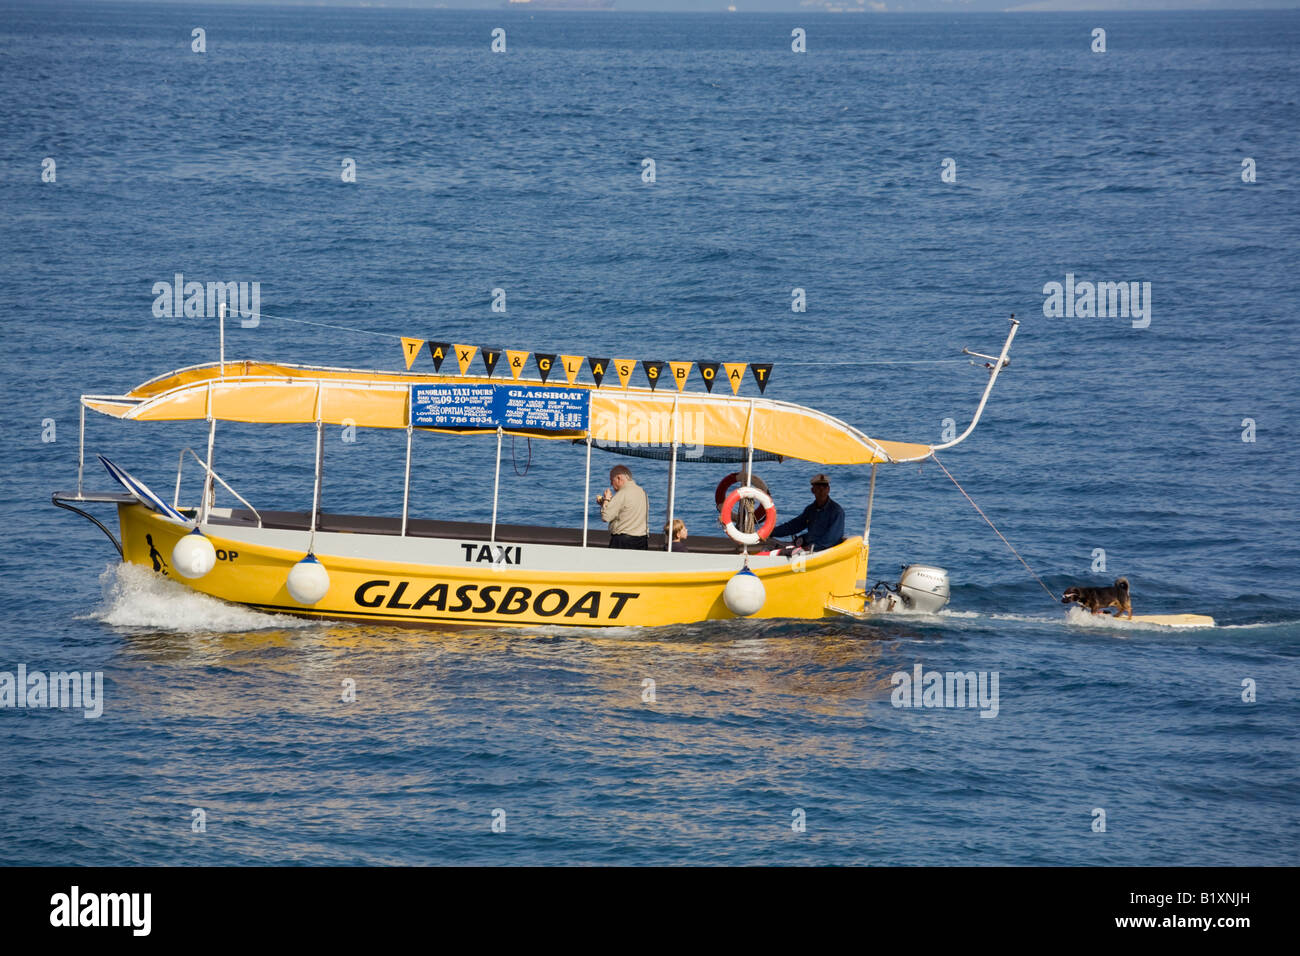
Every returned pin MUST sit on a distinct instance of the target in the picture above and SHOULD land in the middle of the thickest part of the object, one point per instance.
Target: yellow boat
(409, 571)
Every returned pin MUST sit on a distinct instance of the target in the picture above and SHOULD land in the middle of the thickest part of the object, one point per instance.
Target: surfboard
(1173, 620)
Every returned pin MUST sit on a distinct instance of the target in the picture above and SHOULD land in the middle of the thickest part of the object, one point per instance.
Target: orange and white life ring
(733, 499)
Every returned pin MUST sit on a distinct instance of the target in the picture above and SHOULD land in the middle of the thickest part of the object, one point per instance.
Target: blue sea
(1164, 453)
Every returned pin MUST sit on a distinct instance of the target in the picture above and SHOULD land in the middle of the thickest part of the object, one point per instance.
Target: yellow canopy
(266, 393)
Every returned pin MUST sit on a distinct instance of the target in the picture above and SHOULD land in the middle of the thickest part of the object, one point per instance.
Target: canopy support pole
(204, 510)
(81, 449)
(586, 495)
(320, 464)
(871, 497)
(866, 532)
(749, 463)
(749, 455)
(672, 481)
(406, 487)
(496, 487)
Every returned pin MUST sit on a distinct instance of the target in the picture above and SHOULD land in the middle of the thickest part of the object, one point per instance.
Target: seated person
(820, 525)
(679, 535)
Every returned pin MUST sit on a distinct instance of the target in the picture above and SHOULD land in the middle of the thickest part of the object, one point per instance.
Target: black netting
(685, 453)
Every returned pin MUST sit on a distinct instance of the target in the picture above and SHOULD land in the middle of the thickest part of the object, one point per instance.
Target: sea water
(911, 181)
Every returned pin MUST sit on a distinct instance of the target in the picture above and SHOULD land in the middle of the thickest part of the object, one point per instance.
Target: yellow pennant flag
(464, 355)
(572, 366)
(624, 369)
(410, 349)
(517, 360)
(735, 374)
(680, 371)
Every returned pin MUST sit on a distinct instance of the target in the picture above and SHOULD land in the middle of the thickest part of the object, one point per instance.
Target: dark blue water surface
(775, 171)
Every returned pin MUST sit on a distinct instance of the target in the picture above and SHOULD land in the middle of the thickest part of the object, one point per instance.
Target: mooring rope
(1054, 598)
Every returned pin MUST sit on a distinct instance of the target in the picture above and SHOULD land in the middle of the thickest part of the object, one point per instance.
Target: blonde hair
(678, 526)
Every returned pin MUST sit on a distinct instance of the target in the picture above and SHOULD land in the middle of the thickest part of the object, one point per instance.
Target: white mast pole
(207, 477)
(81, 450)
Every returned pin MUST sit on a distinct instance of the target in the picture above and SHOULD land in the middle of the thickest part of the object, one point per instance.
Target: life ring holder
(720, 492)
(769, 522)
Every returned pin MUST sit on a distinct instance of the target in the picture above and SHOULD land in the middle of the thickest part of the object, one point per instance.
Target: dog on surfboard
(1097, 600)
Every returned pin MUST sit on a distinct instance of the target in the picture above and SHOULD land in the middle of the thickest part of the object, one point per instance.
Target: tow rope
(1054, 598)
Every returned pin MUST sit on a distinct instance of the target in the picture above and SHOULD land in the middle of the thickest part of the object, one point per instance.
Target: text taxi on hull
(413, 571)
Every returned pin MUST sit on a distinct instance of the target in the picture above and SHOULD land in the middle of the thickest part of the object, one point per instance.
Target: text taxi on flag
(411, 570)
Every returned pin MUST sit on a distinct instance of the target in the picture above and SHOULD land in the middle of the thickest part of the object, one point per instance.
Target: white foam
(1081, 617)
(135, 596)
(1027, 618)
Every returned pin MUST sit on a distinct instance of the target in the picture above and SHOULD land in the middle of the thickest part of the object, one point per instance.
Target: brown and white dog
(1097, 600)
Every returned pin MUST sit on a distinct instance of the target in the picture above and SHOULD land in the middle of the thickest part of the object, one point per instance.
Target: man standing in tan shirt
(626, 507)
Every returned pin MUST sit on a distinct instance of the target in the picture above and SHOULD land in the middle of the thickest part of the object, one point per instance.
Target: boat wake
(136, 597)
(1259, 624)
(1073, 617)
(927, 617)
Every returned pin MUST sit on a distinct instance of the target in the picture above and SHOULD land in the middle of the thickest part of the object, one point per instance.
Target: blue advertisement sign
(537, 407)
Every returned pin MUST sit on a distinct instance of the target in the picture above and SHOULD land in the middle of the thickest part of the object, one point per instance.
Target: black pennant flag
(545, 363)
(597, 366)
(439, 352)
(490, 359)
(709, 372)
(762, 372)
(652, 372)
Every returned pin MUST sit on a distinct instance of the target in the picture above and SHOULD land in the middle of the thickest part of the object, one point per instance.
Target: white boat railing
(180, 465)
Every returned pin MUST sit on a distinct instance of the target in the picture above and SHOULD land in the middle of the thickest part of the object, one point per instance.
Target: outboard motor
(920, 587)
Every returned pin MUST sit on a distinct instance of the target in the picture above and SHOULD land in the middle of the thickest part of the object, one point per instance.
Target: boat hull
(408, 581)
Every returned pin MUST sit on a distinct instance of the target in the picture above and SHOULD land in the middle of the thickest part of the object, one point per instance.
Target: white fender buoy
(744, 594)
(194, 555)
(308, 581)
